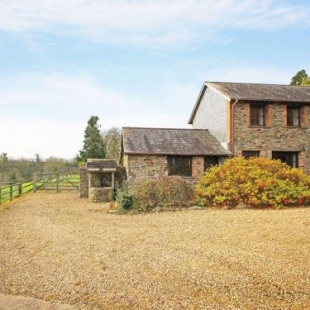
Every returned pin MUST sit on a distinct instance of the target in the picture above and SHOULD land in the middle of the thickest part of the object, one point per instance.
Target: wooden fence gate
(57, 182)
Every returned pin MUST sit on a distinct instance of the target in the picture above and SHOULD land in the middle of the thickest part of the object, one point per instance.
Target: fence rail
(13, 190)
(55, 182)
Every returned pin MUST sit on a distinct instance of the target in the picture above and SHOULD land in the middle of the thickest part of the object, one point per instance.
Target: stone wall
(197, 167)
(275, 136)
(141, 167)
(100, 194)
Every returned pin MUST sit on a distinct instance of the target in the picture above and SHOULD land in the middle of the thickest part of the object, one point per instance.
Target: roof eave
(179, 154)
(196, 106)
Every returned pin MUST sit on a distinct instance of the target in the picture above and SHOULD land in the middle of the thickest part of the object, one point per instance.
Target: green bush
(124, 198)
(168, 191)
(257, 182)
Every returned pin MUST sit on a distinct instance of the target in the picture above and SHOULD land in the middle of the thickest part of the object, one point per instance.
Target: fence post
(11, 191)
(20, 187)
(34, 182)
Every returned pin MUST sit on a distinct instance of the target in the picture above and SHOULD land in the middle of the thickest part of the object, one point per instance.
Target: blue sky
(132, 62)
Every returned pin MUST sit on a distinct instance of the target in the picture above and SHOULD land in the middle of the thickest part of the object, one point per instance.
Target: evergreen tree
(93, 145)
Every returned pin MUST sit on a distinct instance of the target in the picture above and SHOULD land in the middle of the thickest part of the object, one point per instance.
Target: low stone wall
(100, 194)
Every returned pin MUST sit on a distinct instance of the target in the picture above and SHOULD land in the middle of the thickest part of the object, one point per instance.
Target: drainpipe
(232, 123)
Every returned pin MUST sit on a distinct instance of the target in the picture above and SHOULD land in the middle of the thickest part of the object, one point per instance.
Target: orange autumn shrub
(258, 182)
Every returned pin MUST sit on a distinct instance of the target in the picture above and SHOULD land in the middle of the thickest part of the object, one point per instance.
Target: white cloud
(57, 93)
(159, 22)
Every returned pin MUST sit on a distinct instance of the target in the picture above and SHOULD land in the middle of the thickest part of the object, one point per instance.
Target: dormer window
(293, 116)
(257, 115)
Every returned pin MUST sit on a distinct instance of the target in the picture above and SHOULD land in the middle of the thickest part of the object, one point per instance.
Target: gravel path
(61, 249)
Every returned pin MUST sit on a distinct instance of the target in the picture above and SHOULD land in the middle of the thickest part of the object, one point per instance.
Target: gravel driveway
(61, 249)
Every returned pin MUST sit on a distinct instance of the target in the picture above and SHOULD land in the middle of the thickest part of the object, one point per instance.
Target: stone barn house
(148, 153)
(265, 120)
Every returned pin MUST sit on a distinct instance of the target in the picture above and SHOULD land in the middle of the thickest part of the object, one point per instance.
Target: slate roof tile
(262, 92)
(170, 141)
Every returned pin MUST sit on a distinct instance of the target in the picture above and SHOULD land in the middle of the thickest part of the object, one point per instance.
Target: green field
(66, 182)
(9, 192)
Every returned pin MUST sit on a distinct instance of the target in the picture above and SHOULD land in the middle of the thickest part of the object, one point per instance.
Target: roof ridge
(162, 128)
(256, 83)
(250, 83)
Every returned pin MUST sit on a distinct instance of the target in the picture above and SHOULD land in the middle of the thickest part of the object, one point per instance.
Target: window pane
(179, 165)
(248, 154)
(257, 115)
(293, 116)
(210, 161)
(290, 158)
(261, 116)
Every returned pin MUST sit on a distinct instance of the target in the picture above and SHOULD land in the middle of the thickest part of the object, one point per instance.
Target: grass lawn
(72, 181)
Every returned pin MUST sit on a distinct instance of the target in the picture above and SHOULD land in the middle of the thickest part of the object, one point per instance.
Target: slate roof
(255, 92)
(262, 92)
(101, 164)
(169, 141)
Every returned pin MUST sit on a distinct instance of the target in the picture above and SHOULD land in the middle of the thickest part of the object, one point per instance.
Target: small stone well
(101, 179)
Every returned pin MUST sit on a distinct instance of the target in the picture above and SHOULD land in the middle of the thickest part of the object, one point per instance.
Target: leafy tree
(305, 82)
(93, 145)
(299, 77)
(38, 163)
(4, 160)
(112, 141)
(38, 159)
(23, 169)
(13, 177)
(55, 165)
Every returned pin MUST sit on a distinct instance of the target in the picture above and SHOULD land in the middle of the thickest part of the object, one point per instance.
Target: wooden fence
(8, 191)
(55, 182)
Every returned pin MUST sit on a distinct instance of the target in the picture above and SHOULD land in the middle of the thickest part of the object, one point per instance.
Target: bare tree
(112, 141)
